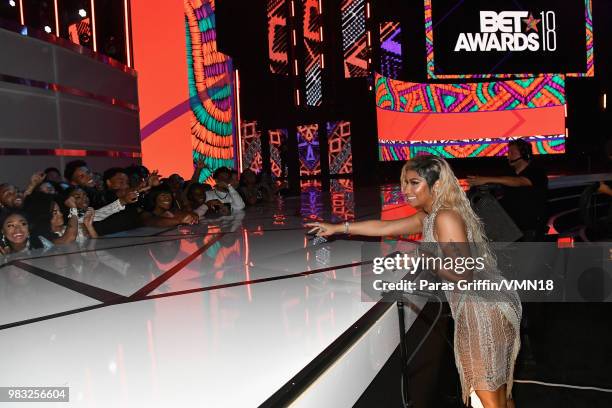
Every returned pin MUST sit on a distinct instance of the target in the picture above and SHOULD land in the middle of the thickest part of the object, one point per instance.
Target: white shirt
(108, 210)
(231, 197)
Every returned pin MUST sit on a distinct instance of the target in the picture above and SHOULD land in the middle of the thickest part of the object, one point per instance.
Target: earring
(4, 243)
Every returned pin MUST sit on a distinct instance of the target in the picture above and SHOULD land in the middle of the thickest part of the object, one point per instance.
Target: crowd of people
(80, 205)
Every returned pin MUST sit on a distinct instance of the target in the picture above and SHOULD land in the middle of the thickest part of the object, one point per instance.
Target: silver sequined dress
(487, 329)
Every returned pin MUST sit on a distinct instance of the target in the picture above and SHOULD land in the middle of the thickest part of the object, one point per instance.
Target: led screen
(469, 119)
(499, 38)
(340, 152)
(308, 149)
(278, 37)
(354, 40)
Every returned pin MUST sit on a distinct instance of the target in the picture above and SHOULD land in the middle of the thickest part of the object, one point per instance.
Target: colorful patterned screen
(278, 37)
(342, 199)
(340, 152)
(390, 49)
(251, 146)
(313, 47)
(308, 149)
(471, 119)
(431, 68)
(311, 199)
(278, 139)
(354, 38)
(210, 89)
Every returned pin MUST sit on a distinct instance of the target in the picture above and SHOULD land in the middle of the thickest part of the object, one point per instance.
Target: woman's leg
(493, 399)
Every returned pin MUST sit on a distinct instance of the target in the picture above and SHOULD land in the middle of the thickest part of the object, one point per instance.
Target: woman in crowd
(45, 213)
(160, 211)
(85, 213)
(15, 234)
(487, 324)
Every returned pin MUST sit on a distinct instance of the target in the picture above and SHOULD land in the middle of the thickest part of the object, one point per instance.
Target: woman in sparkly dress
(487, 323)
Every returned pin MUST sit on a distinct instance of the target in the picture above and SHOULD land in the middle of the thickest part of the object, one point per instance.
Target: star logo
(532, 23)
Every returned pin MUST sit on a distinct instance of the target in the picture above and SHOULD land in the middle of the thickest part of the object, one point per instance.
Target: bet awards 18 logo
(511, 31)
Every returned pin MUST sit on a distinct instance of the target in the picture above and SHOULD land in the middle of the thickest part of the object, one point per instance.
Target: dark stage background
(269, 99)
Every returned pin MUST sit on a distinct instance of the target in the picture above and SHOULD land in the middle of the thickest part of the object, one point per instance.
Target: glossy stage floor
(236, 311)
(246, 311)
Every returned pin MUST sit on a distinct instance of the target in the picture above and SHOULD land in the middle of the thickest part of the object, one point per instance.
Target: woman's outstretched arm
(372, 228)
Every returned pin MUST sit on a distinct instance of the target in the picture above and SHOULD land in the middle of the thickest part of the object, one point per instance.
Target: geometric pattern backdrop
(210, 89)
(469, 119)
(389, 151)
(251, 146)
(308, 149)
(278, 37)
(311, 199)
(354, 39)
(429, 45)
(390, 49)
(342, 199)
(313, 52)
(278, 137)
(339, 141)
(399, 96)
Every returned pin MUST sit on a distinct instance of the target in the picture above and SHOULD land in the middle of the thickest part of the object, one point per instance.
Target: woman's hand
(89, 217)
(323, 229)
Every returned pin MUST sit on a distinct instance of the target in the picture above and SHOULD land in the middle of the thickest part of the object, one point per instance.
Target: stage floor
(224, 313)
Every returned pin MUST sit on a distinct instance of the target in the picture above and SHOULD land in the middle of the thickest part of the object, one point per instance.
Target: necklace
(217, 194)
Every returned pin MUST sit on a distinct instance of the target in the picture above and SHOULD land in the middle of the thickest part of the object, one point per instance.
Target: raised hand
(127, 196)
(200, 164)
(37, 178)
(89, 217)
(153, 179)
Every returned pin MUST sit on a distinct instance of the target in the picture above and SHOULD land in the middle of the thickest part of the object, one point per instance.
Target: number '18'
(549, 35)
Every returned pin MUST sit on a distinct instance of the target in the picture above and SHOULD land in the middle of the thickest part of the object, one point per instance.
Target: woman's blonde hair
(449, 195)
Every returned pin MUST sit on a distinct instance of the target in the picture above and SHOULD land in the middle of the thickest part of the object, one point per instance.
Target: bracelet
(346, 227)
(73, 213)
